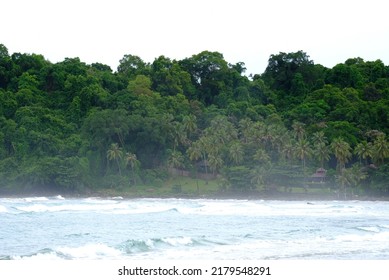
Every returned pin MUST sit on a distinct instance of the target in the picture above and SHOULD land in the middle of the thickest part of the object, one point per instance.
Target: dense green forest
(71, 126)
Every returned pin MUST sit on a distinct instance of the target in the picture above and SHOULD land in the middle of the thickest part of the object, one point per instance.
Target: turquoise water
(116, 228)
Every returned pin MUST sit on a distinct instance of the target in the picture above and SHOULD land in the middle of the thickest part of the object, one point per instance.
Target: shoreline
(279, 196)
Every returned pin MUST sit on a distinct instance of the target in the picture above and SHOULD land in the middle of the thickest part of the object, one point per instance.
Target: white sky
(329, 31)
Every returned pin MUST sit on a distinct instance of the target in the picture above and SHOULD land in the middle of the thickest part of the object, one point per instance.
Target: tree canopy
(71, 126)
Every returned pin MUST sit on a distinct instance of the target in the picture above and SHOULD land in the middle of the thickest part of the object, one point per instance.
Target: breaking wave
(102, 251)
(116, 228)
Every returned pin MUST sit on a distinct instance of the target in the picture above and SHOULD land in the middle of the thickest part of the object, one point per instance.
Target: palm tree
(115, 153)
(318, 138)
(221, 130)
(282, 139)
(268, 133)
(350, 177)
(198, 150)
(287, 151)
(132, 160)
(179, 135)
(364, 150)
(342, 152)
(194, 151)
(322, 152)
(380, 149)
(344, 179)
(215, 162)
(303, 151)
(298, 130)
(358, 174)
(245, 128)
(189, 124)
(236, 152)
(176, 159)
(262, 156)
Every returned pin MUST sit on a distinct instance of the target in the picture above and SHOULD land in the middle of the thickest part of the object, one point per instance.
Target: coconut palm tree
(215, 162)
(189, 124)
(322, 152)
(303, 151)
(343, 179)
(350, 177)
(318, 138)
(176, 159)
(236, 152)
(178, 135)
(132, 160)
(221, 130)
(364, 150)
(194, 151)
(342, 152)
(380, 149)
(287, 151)
(115, 153)
(198, 150)
(262, 156)
(298, 130)
(268, 133)
(245, 129)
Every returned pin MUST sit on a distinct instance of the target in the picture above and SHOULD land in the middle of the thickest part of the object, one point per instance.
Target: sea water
(168, 229)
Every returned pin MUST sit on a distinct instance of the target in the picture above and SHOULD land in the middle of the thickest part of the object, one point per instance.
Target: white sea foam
(98, 200)
(3, 209)
(39, 257)
(33, 208)
(71, 207)
(90, 251)
(266, 208)
(87, 252)
(379, 237)
(178, 241)
(32, 199)
(60, 197)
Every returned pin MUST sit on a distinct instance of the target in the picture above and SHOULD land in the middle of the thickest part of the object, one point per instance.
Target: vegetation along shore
(196, 127)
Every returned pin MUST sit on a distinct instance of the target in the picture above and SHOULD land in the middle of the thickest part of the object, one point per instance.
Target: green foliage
(73, 126)
(239, 178)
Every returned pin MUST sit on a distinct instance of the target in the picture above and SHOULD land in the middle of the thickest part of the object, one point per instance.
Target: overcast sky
(248, 31)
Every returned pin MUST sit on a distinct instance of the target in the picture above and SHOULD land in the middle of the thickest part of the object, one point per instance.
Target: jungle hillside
(75, 127)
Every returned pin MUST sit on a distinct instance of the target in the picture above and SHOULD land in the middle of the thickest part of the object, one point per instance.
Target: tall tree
(364, 150)
(132, 65)
(236, 152)
(189, 123)
(322, 152)
(320, 147)
(303, 151)
(380, 149)
(115, 153)
(209, 72)
(298, 130)
(132, 160)
(291, 76)
(342, 152)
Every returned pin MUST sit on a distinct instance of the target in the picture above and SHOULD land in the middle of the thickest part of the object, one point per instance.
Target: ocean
(51, 228)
